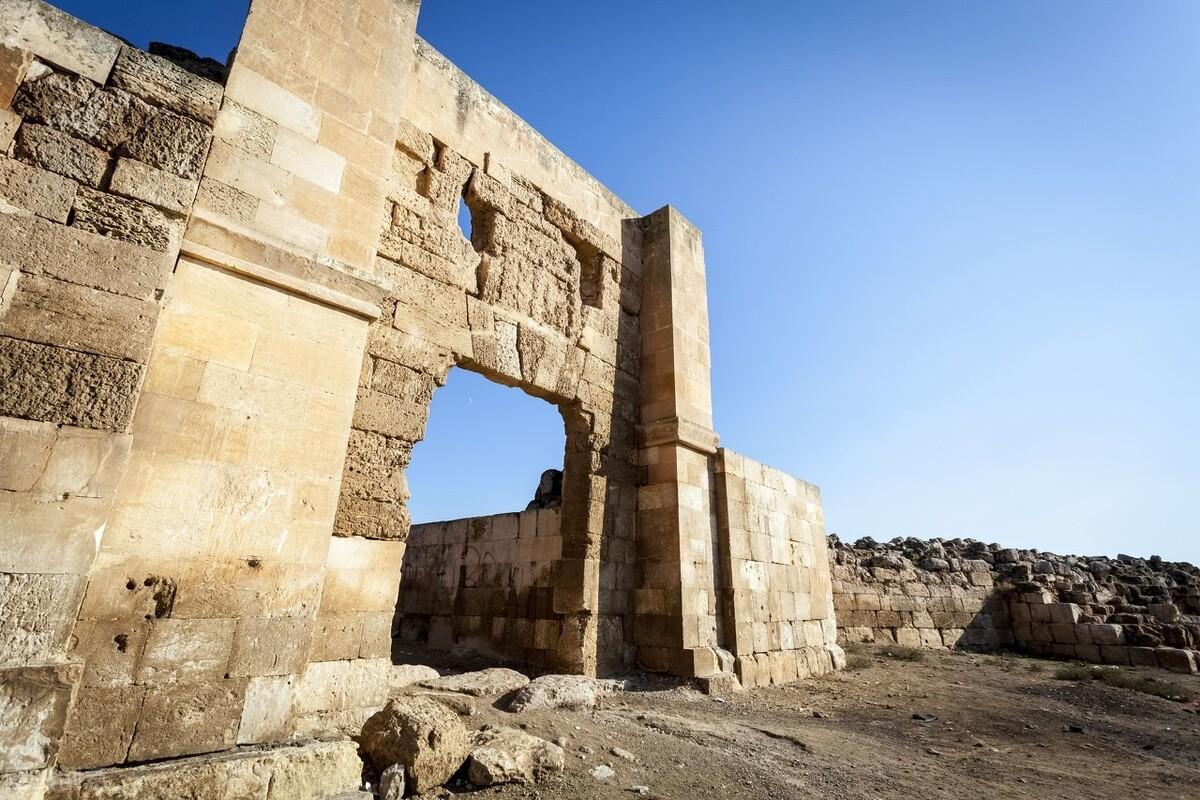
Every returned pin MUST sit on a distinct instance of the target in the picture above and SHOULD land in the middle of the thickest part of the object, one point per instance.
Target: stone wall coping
(677, 431)
(314, 291)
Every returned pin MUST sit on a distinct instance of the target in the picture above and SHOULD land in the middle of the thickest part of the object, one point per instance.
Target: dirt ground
(1004, 728)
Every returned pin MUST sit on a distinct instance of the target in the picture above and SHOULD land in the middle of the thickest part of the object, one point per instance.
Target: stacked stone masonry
(963, 593)
(228, 294)
(486, 583)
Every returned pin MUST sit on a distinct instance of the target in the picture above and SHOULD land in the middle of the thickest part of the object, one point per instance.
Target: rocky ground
(1001, 727)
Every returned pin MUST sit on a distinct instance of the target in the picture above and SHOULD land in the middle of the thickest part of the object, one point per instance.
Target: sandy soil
(1005, 728)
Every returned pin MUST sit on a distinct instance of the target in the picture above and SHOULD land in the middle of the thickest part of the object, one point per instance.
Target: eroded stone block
(36, 190)
(127, 220)
(165, 84)
(57, 152)
(171, 142)
(100, 726)
(59, 38)
(36, 615)
(33, 712)
(143, 182)
(61, 314)
(180, 719)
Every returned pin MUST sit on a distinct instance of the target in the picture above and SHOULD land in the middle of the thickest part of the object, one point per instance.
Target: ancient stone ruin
(229, 295)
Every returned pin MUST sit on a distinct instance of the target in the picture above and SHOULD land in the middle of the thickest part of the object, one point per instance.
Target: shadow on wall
(970, 595)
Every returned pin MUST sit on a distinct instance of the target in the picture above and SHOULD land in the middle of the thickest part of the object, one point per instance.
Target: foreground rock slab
(561, 691)
(484, 683)
(508, 755)
(421, 734)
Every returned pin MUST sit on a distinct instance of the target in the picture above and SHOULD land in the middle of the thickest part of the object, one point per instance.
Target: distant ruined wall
(486, 583)
(956, 593)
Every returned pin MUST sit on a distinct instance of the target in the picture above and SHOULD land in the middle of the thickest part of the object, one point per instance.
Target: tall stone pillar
(676, 624)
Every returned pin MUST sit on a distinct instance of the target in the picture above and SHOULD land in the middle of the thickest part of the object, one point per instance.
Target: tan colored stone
(54, 312)
(420, 733)
(33, 713)
(173, 143)
(127, 220)
(187, 718)
(57, 152)
(100, 727)
(36, 615)
(41, 192)
(267, 715)
(162, 83)
(59, 38)
(139, 181)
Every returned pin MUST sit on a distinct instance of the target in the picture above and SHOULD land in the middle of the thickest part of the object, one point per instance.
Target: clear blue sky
(953, 247)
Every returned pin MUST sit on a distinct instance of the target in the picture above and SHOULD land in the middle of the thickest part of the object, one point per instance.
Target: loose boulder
(402, 675)
(508, 755)
(560, 691)
(421, 734)
(484, 683)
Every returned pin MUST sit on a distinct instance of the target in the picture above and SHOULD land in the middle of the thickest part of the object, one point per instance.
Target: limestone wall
(968, 594)
(774, 573)
(486, 583)
(224, 310)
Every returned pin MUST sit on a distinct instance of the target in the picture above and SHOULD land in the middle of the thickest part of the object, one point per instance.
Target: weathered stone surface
(172, 143)
(9, 122)
(43, 193)
(1176, 660)
(44, 99)
(313, 771)
(62, 314)
(36, 615)
(165, 84)
(56, 385)
(461, 704)
(226, 200)
(24, 785)
(13, 63)
(83, 258)
(127, 220)
(186, 650)
(208, 68)
(183, 719)
(58, 38)
(57, 152)
(100, 726)
(267, 715)
(402, 675)
(491, 682)
(143, 182)
(558, 691)
(33, 712)
(507, 755)
(24, 452)
(246, 130)
(423, 735)
(106, 118)
(391, 783)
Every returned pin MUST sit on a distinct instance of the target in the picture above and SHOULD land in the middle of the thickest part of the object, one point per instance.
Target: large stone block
(267, 714)
(61, 314)
(58, 38)
(36, 615)
(106, 118)
(56, 385)
(165, 84)
(126, 220)
(100, 726)
(33, 712)
(270, 646)
(172, 143)
(179, 719)
(186, 650)
(143, 182)
(83, 258)
(36, 190)
(13, 63)
(57, 152)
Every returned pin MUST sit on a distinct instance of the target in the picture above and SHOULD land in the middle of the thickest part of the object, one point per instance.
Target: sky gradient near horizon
(953, 248)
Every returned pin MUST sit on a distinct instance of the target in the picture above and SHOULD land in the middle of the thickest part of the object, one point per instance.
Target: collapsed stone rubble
(964, 593)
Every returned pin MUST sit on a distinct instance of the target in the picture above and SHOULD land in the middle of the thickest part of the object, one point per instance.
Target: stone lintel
(246, 252)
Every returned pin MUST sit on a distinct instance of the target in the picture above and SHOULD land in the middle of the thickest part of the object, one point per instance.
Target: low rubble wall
(964, 593)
